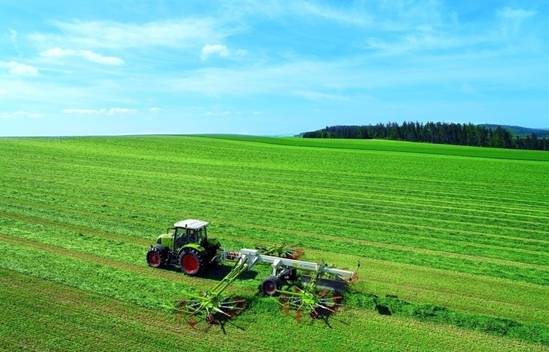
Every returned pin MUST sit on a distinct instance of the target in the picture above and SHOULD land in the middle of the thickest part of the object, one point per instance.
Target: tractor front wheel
(155, 257)
(192, 262)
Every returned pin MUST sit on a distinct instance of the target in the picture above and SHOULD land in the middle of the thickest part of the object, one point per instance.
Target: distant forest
(436, 132)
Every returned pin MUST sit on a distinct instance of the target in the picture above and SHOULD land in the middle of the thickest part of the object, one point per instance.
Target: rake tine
(233, 324)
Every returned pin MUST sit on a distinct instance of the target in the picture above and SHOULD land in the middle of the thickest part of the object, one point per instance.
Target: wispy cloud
(513, 18)
(515, 13)
(321, 96)
(117, 35)
(13, 39)
(19, 114)
(84, 54)
(20, 69)
(346, 14)
(102, 111)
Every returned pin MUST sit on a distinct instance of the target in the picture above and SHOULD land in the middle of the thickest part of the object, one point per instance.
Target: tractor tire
(270, 286)
(192, 262)
(156, 257)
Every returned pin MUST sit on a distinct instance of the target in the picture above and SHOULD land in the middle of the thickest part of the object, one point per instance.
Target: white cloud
(19, 69)
(154, 109)
(85, 54)
(102, 111)
(117, 35)
(213, 49)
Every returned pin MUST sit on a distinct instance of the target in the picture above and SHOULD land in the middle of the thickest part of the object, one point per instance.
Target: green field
(459, 234)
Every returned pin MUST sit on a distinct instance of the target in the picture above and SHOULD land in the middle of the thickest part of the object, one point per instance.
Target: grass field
(460, 235)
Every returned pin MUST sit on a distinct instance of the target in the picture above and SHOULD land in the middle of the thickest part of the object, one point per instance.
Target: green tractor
(186, 245)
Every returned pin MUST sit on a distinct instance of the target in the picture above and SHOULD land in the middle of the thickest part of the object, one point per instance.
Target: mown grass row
(152, 291)
(117, 190)
(72, 318)
(136, 157)
(427, 240)
(203, 172)
(517, 301)
(357, 210)
(394, 146)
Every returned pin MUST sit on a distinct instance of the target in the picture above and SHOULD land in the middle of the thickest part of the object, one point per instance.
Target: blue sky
(268, 67)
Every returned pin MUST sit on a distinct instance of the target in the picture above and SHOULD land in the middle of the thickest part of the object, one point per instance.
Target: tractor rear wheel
(192, 261)
(155, 257)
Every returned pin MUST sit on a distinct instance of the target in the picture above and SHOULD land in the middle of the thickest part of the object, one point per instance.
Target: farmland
(458, 237)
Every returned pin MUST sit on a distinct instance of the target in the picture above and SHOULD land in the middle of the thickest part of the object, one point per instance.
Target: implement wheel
(270, 286)
(192, 262)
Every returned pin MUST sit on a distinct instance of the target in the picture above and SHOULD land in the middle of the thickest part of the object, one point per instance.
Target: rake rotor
(205, 309)
(282, 251)
(316, 302)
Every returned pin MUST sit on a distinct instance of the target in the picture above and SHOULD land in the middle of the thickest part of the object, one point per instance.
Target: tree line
(436, 132)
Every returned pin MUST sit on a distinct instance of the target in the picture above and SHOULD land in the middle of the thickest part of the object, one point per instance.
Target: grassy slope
(431, 224)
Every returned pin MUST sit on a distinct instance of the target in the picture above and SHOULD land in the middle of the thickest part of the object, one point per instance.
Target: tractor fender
(160, 248)
(194, 246)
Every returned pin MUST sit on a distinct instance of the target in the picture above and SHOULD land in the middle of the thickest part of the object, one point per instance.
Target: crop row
(470, 264)
(381, 207)
(354, 246)
(116, 283)
(387, 180)
(129, 191)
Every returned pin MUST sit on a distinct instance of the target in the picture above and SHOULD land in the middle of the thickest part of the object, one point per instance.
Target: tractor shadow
(218, 272)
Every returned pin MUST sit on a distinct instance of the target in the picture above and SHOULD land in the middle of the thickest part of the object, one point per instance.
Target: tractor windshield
(183, 235)
(200, 235)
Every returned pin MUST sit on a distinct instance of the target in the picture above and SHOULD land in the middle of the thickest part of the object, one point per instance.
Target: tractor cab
(189, 231)
(186, 243)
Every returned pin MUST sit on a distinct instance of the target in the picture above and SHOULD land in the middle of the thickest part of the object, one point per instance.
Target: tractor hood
(165, 240)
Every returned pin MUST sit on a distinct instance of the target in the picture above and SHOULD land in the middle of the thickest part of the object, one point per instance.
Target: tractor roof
(191, 224)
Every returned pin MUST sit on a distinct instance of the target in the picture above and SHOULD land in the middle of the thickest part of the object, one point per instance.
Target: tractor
(186, 245)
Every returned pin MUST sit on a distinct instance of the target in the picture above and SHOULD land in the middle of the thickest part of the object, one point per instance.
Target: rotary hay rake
(298, 286)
